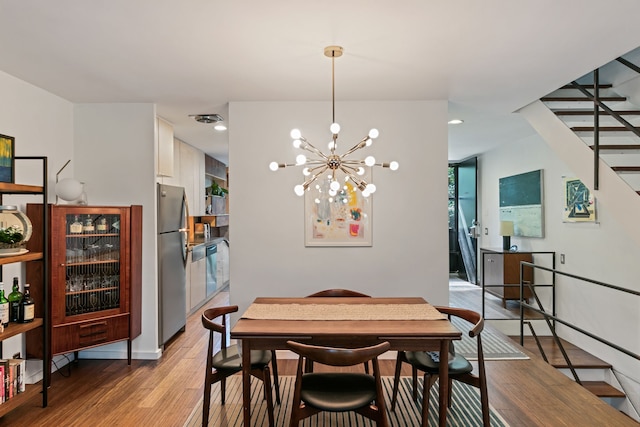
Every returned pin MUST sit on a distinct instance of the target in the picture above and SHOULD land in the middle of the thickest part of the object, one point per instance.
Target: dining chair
(459, 367)
(338, 391)
(228, 361)
(336, 293)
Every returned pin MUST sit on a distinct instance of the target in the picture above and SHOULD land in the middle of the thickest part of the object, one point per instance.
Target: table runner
(343, 312)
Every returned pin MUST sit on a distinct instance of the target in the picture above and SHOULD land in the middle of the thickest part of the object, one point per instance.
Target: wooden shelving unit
(40, 324)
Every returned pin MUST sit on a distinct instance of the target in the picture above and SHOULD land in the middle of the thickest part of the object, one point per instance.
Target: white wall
(408, 256)
(114, 146)
(602, 251)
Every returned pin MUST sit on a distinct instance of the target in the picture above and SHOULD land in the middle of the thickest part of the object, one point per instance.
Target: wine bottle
(4, 307)
(76, 226)
(102, 225)
(88, 226)
(27, 307)
(14, 301)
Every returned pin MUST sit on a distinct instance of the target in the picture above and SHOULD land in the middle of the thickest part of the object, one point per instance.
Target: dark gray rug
(464, 411)
(494, 346)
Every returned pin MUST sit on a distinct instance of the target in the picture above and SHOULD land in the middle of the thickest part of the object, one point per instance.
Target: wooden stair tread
(601, 128)
(618, 146)
(602, 389)
(590, 86)
(578, 357)
(581, 98)
(626, 168)
(590, 112)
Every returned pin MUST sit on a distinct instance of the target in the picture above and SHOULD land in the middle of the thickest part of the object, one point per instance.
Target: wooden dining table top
(383, 321)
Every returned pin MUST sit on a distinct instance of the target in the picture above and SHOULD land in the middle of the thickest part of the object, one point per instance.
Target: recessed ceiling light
(220, 126)
(456, 121)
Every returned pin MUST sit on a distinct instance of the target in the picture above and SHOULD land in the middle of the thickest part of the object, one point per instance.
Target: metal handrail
(548, 317)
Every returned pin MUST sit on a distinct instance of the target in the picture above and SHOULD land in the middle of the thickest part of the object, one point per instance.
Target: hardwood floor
(163, 392)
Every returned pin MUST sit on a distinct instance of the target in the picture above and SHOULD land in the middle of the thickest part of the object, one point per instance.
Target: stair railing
(552, 318)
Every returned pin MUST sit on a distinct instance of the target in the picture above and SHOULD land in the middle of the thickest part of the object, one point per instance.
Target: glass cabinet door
(92, 263)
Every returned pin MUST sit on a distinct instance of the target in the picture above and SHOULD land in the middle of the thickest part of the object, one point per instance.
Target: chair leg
(206, 402)
(426, 395)
(266, 380)
(223, 390)
(414, 376)
(276, 381)
(484, 399)
(396, 380)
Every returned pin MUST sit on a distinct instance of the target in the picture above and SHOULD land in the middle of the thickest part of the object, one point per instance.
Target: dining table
(407, 323)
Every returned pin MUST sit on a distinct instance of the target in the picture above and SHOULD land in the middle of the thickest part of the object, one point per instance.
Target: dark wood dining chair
(228, 361)
(459, 367)
(338, 391)
(336, 293)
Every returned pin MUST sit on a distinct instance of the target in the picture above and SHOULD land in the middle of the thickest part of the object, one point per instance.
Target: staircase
(595, 375)
(614, 132)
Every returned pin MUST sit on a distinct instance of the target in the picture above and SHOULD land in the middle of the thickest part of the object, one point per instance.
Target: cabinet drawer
(78, 336)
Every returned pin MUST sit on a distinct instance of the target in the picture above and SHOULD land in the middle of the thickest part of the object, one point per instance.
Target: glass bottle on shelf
(101, 227)
(88, 227)
(14, 301)
(4, 307)
(27, 306)
(76, 226)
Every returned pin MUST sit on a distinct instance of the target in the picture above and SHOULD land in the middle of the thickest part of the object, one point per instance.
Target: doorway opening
(463, 211)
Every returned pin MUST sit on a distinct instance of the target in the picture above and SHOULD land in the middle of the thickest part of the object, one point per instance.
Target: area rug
(494, 346)
(464, 411)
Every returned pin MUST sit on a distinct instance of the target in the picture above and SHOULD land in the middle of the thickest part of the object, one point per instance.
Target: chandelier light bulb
(273, 166)
(371, 188)
(368, 142)
(365, 193)
(299, 190)
(334, 128)
(301, 159)
(306, 172)
(373, 133)
(331, 145)
(394, 166)
(297, 143)
(360, 171)
(335, 185)
(370, 161)
(296, 134)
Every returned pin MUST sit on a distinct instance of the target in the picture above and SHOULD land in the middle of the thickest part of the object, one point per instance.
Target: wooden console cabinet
(501, 268)
(95, 276)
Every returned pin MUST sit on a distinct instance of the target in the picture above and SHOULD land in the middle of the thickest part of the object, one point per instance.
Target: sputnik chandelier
(315, 167)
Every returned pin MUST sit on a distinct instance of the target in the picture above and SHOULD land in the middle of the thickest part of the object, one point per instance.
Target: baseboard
(119, 354)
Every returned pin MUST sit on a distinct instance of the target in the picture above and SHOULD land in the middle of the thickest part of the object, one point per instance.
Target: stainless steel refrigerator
(172, 259)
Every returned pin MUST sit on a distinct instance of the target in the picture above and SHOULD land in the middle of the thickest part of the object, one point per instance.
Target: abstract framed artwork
(7, 158)
(340, 219)
(579, 203)
(521, 202)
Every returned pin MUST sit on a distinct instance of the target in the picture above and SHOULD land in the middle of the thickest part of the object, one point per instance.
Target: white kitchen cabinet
(164, 133)
(192, 177)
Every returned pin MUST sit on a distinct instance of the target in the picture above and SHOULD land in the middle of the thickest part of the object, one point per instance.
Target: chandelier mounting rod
(333, 52)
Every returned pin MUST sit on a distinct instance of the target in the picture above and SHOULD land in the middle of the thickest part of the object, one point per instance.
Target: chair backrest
(338, 293)
(476, 320)
(208, 321)
(333, 356)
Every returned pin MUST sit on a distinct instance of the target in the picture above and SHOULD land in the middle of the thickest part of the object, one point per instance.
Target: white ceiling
(486, 57)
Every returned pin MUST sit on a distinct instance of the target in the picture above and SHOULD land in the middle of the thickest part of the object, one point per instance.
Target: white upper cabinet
(164, 134)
